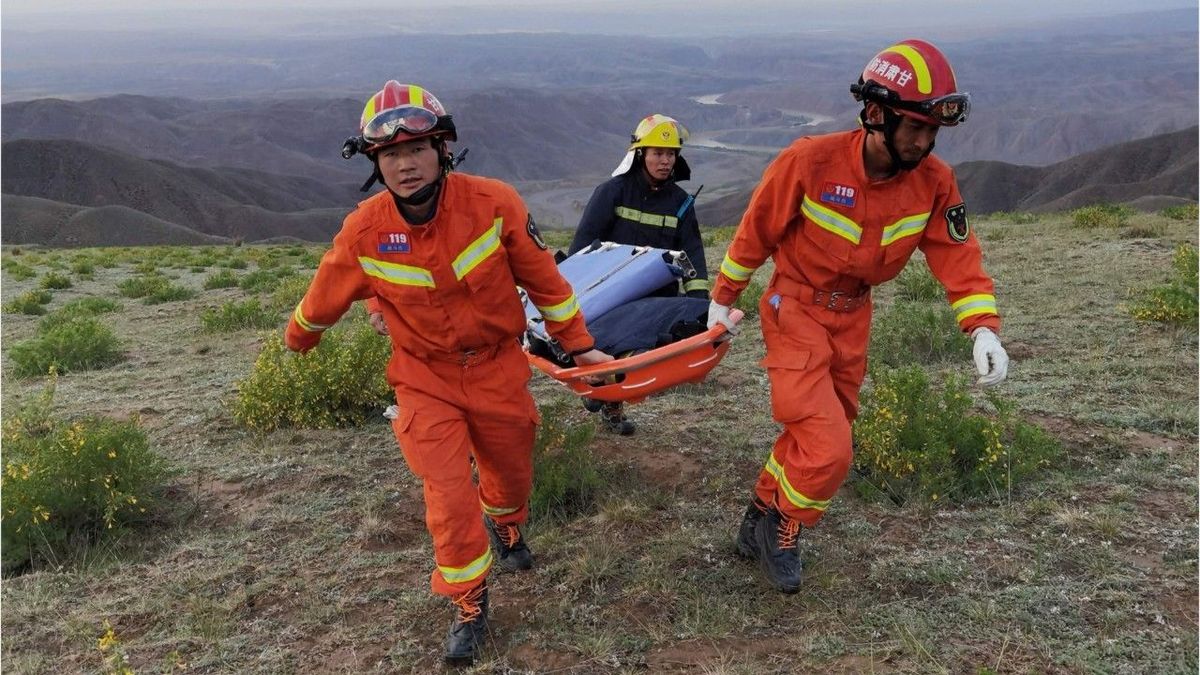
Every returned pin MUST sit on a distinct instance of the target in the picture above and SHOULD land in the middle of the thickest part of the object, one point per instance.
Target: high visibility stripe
(478, 251)
(416, 97)
(496, 510)
(905, 227)
(831, 220)
(306, 324)
(470, 572)
(404, 275)
(920, 68)
(735, 271)
(646, 218)
(794, 496)
(562, 311)
(696, 285)
(983, 303)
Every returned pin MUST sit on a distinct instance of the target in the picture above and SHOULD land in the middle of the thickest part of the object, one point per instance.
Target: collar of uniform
(859, 160)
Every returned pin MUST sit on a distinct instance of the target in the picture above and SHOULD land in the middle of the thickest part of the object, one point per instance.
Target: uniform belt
(834, 301)
(467, 357)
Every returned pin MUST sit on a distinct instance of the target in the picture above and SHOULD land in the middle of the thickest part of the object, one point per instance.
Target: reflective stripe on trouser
(816, 360)
(448, 414)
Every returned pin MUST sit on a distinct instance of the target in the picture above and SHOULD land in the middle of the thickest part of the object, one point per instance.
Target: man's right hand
(719, 314)
(376, 319)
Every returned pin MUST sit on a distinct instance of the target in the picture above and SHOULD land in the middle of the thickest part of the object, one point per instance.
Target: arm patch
(956, 222)
(532, 229)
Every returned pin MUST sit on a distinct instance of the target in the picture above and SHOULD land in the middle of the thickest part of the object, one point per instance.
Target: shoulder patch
(956, 222)
(532, 229)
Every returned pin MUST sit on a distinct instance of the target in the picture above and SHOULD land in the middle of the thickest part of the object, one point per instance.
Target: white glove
(990, 358)
(719, 314)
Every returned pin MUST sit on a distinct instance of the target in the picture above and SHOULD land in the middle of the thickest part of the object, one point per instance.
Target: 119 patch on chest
(394, 242)
(836, 193)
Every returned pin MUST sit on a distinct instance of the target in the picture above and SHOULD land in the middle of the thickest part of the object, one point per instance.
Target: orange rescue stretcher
(604, 277)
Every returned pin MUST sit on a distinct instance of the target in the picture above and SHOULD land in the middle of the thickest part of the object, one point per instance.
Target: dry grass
(305, 551)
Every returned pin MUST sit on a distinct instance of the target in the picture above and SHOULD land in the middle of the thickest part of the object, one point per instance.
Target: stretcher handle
(638, 361)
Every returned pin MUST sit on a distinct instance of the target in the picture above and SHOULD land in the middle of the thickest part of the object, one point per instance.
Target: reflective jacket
(447, 287)
(626, 211)
(830, 228)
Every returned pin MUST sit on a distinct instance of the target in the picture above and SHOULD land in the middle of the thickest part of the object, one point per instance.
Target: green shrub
(221, 279)
(83, 307)
(748, 300)
(147, 267)
(235, 264)
(264, 281)
(83, 268)
(81, 343)
(142, 285)
(290, 292)
(917, 332)
(916, 440)
(340, 383)
(233, 316)
(1015, 217)
(29, 302)
(1175, 302)
(1101, 215)
(566, 475)
(54, 280)
(916, 282)
(1182, 212)
(67, 481)
(19, 271)
(712, 236)
(168, 293)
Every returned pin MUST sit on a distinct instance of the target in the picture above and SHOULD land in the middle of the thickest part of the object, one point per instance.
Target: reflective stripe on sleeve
(735, 271)
(563, 311)
(306, 324)
(696, 285)
(982, 303)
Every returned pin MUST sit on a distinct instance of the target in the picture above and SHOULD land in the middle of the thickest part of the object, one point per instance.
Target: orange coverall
(833, 234)
(447, 291)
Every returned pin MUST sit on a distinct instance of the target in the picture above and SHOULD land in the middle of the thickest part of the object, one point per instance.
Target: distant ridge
(222, 203)
(1147, 173)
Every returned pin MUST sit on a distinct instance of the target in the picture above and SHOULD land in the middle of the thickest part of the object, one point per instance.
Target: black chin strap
(891, 120)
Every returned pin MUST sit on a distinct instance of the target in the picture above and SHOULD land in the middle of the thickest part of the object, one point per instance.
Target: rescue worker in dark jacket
(643, 206)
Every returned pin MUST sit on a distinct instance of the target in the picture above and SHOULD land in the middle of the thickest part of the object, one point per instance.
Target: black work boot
(592, 405)
(615, 420)
(746, 546)
(511, 551)
(465, 638)
(778, 551)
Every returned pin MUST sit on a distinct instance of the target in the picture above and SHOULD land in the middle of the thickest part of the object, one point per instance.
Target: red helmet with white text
(914, 79)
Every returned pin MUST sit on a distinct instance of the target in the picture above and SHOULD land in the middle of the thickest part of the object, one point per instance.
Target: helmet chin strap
(891, 121)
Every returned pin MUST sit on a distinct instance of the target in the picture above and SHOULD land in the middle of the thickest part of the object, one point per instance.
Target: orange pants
(451, 412)
(816, 360)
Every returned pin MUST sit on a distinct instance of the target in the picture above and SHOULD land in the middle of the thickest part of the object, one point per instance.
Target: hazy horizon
(663, 19)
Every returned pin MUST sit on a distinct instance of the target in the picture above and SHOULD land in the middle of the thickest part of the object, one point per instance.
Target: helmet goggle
(386, 125)
(948, 110)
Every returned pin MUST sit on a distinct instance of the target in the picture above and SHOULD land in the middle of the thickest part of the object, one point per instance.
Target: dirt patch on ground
(1080, 434)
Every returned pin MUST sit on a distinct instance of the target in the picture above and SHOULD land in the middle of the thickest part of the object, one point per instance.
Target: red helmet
(402, 112)
(913, 78)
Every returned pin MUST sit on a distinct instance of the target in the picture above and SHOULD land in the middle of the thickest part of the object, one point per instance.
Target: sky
(663, 18)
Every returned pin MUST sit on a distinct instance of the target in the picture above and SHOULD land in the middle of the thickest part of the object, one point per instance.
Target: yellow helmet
(658, 131)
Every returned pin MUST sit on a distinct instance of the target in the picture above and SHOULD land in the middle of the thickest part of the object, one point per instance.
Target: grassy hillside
(305, 551)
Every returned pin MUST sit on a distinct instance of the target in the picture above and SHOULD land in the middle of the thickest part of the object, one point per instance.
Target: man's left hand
(990, 358)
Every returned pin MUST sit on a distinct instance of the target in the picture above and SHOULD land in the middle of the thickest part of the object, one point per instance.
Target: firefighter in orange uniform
(840, 213)
(443, 254)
